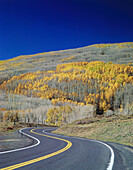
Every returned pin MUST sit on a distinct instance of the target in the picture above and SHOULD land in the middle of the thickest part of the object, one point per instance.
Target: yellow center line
(69, 144)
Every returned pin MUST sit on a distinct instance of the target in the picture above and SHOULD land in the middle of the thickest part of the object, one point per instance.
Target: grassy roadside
(6, 127)
(117, 129)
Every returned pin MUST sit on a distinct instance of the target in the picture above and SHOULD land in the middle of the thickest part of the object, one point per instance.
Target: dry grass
(6, 127)
(9, 127)
(113, 129)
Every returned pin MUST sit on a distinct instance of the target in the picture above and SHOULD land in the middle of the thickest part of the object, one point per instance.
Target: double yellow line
(69, 144)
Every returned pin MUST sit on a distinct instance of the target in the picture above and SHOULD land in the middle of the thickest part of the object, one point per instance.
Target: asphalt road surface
(57, 152)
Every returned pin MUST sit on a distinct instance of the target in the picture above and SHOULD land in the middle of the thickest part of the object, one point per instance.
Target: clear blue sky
(32, 26)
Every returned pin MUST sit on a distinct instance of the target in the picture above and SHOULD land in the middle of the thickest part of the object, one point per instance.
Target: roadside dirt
(13, 140)
(112, 129)
(10, 138)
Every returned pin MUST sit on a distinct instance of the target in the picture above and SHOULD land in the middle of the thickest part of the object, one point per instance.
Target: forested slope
(120, 53)
(105, 85)
(108, 86)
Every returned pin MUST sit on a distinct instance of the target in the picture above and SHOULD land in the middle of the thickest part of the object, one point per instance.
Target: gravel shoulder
(14, 140)
(11, 138)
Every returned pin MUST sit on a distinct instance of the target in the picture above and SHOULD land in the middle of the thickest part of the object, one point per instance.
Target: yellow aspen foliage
(58, 115)
(77, 83)
(97, 96)
(104, 105)
(6, 116)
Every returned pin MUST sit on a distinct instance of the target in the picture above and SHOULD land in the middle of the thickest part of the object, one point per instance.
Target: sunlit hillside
(92, 80)
(106, 86)
(120, 53)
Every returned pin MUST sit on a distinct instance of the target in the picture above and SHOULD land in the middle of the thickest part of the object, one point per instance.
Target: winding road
(57, 152)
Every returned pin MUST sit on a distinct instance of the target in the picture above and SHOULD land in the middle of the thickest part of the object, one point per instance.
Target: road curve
(52, 151)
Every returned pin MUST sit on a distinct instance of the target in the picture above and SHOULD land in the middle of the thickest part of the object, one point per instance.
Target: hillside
(120, 53)
(114, 129)
(59, 87)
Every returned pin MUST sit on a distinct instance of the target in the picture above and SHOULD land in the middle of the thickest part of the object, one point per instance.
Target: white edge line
(38, 142)
(110, 166)
(111, 162)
